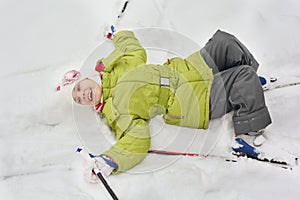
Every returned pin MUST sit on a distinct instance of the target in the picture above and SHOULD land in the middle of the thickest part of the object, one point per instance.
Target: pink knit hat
(74, 75)
(69, 78)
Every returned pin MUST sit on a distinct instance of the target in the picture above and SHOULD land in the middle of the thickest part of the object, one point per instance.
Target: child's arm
(128, 52)
(126, 42)
(132, 147)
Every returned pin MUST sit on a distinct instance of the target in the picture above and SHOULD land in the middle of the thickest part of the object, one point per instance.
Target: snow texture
(40, 129)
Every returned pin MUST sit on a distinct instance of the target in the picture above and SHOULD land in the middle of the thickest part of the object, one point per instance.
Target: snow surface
(40, 40)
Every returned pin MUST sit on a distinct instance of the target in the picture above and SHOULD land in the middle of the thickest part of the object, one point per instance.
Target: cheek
(74, 95)
(98, 94)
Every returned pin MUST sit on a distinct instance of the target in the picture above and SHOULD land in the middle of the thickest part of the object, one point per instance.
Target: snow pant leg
(239, 89)
(224, 51)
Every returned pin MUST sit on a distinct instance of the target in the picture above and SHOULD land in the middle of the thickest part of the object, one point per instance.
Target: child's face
(87, 92)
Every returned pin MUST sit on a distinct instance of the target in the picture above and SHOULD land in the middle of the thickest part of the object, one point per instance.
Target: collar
(99, 107)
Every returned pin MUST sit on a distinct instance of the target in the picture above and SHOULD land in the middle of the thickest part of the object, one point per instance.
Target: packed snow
(41, 128)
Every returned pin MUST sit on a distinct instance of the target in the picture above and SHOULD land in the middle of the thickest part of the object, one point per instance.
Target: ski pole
(123, 9)
(88, 157)
(282, 164)
(122, 12)
(109, 31)
(104, 182)
(175, 153)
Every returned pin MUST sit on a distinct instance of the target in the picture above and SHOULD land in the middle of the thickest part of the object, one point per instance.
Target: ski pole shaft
(121, 13)
(175, 153)
(123, 9)
(87, 156)
(104, 182)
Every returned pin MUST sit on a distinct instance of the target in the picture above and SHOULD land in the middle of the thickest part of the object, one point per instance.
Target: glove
(99, 67)
(103, 164)
(109, 32)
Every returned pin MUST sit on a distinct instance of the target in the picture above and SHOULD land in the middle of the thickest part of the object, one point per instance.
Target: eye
(78, 88)
(79, 100)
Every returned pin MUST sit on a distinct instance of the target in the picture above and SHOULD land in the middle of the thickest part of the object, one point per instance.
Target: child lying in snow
(219, 78)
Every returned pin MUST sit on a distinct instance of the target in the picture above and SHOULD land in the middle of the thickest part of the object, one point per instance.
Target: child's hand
(100, 164)
(109, 32)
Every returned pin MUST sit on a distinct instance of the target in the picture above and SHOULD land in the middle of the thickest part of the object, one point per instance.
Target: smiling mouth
(91, 95)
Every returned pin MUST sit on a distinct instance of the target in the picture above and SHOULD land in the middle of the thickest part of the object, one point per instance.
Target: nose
(82, 95)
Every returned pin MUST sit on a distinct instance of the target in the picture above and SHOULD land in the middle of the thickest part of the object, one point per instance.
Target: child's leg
(224, 51)
(239, 89)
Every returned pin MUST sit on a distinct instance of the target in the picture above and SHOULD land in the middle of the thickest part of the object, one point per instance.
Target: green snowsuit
(135, 92)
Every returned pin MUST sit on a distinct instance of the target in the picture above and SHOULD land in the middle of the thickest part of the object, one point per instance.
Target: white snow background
(40, 40)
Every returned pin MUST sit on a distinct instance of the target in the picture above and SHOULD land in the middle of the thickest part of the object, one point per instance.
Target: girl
(219, 78)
